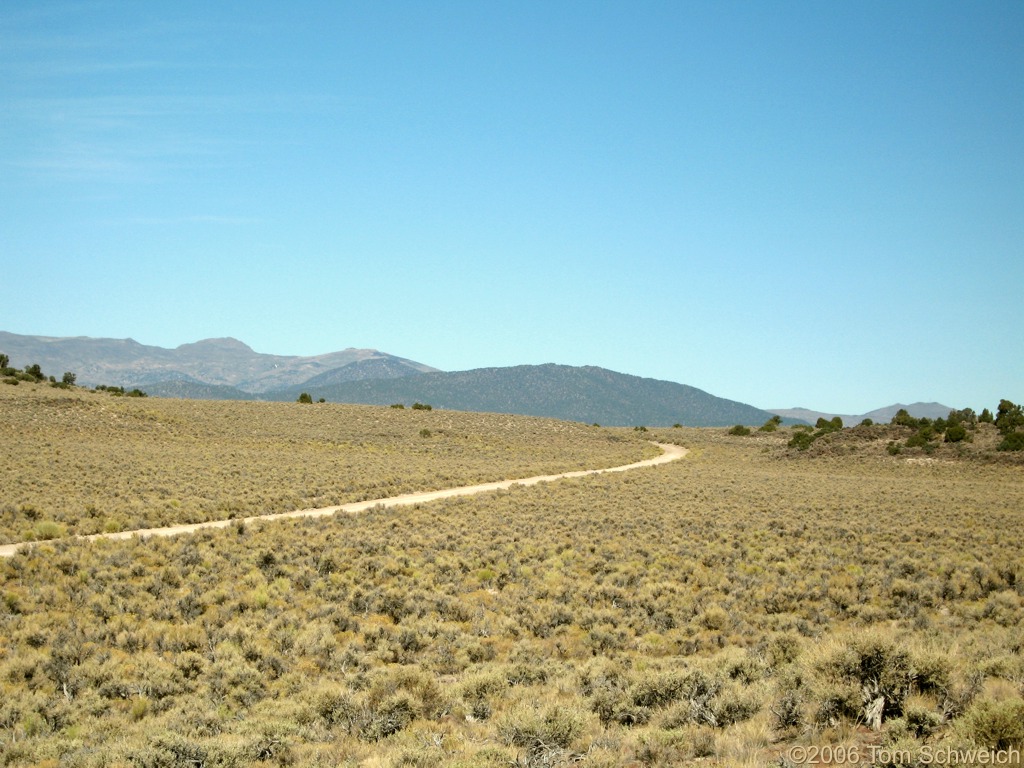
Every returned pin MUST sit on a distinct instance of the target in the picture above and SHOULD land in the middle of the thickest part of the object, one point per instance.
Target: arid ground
(747, 605)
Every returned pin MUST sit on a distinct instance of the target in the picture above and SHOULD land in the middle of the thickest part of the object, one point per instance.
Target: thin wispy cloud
(131, 138)
(208, 218)
(132, 118)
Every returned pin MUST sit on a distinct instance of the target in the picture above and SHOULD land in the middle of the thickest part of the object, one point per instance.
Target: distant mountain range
(206, 369)
(227, 369)
(879, 415)
(222, 369)
(587, 394)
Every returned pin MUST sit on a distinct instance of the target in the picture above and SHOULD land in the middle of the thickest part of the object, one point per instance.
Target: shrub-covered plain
(81, 462)
(717, 610)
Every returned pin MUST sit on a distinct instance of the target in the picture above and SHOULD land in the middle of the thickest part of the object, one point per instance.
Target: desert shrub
(427, 698)
(305, 397)
(422, 407)
(801, 440)
(480, 691)
(1014, 441)
(691, 693)
(735, 705)
(419, 757)
(663, 747)
(169, 750)
(47, 529)
(526, 673)
(739, 430)
(614, 706)
(996, 725)
(657, 690)
(932, 673)
(557, 726)
(788, 711)
(922, 721)
(781, 650)
(956, 433)
(715, 617)
(868, 669)
(234, 677)
(771, 425)
(390, 716)
(334, 705)
(920, 439)
(838, 703)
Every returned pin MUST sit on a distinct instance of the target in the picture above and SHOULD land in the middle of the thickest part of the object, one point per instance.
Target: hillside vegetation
(578, 393)
(75, 461)
(744, 606)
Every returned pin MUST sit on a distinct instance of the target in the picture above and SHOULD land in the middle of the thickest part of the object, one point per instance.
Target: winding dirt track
(670, 453)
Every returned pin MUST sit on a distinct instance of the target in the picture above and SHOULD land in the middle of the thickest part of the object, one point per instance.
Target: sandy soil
(670, 453)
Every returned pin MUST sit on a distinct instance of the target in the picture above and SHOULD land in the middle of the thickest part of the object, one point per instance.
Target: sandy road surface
(670, 453)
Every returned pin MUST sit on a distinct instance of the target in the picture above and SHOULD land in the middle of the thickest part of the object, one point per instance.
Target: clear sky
(814, 204)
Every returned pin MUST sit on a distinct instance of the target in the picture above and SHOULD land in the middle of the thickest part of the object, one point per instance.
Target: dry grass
(720, 610)
(80, 462)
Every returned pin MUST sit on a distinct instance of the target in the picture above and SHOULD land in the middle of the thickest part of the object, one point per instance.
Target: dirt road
(670, 453)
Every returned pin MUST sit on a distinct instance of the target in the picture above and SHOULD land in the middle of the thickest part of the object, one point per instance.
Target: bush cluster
(803, 438)
(34, 374)
(960, 426)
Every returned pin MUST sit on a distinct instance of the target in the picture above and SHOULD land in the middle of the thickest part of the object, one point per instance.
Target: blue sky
(788, 204)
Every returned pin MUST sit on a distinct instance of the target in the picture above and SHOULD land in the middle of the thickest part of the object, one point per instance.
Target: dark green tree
(1009, 417)
(963, 416)
(801, 440)
(904, 419)
(4, 361)
(69, 379)
(956, 433)
(986, 416)
(305, 398)
(1012, 442)
(829, 425)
